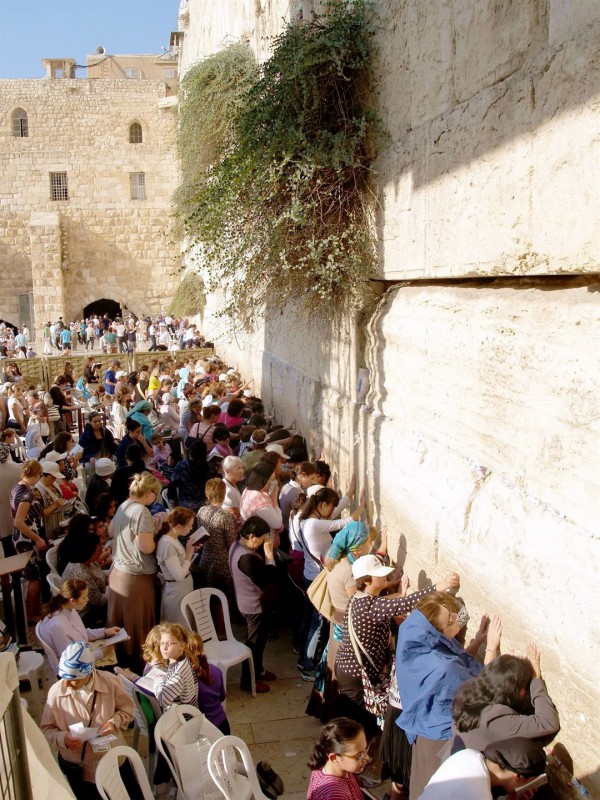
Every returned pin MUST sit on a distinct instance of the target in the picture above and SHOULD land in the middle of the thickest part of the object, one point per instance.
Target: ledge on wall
(167, 102)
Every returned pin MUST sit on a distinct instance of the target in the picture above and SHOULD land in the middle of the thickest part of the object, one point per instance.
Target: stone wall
(109, 245)
(479, 439)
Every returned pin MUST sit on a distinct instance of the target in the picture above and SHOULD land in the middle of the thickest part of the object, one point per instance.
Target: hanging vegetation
(190, 297)
(284, 211)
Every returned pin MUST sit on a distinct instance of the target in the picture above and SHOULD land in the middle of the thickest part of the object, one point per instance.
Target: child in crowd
(179, 684)
(211, 688)
(340, 754)
(161, 451)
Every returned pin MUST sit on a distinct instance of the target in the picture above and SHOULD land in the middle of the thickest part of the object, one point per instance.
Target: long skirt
(131, 605)
(425, 761)
(395, 752)
(172, 594)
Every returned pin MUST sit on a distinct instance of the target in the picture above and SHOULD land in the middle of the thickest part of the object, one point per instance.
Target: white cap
(51, 468)
(370, 567)
(277, 448)
(55, 457)
(223, 376)
(313, 489)
(104, 467)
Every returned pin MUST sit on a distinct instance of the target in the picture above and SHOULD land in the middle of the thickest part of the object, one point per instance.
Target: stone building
(479, 438)
(88, 170)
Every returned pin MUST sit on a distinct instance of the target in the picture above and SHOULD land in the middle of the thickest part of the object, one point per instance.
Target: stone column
(46, 269)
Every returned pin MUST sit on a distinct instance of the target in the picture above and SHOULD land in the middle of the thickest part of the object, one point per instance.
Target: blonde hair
(182, 635)
(31, 468)
(431, 605)
(215, 490)
(144, 482)
(151, 647)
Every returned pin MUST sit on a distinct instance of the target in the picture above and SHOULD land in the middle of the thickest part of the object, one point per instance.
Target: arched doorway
(101, 307)
(9, 325)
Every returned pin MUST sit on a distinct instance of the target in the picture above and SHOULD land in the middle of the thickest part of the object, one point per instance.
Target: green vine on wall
(282, 211)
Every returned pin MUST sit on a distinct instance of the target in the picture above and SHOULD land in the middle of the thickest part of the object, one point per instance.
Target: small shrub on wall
(284, 212)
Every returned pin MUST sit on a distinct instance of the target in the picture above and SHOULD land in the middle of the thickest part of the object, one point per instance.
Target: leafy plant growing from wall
(190, 297)
(284, 215)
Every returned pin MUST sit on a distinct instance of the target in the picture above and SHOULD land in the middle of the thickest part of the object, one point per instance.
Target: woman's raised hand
(533, 655)
(351, 486)
(404, 584)
(451, 581)
(494, 633)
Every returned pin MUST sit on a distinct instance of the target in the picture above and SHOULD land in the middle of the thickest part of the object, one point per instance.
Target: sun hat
(223, 376)
(121, 373)
(370, 567)
(54, 456)
(51, 468)
(104, 467)
(76, 662)
(277, 448)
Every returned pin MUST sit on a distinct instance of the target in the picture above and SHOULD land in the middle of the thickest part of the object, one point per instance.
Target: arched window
(135, 133)
(20, 126)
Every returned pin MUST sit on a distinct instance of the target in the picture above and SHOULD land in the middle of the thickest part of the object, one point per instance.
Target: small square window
(169, 72)
(59, 189)
(131, 72)
(137, 185)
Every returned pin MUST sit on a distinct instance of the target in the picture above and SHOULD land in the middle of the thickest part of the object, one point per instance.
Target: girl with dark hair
(317, 525)
(508, 699)
(190, 476)
(233, 417)
(261, 498)
(339, 755)
(254, 582)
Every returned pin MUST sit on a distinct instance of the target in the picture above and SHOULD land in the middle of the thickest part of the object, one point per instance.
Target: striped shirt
(330, 787)
(178, 685)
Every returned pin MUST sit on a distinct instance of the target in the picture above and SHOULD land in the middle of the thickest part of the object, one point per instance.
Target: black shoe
(266, 787)
(265, 771)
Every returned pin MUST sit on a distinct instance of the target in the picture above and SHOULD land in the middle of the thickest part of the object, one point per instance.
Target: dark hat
(525, 757)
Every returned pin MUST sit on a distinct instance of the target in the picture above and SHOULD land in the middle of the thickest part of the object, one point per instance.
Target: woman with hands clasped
(174, 560)
(86, 696)
(507, 699)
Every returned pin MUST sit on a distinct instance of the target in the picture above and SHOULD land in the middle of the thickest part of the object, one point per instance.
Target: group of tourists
(180, 448)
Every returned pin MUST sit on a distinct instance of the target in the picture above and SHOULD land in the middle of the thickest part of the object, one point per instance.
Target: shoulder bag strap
(90, 724)
(305, 546)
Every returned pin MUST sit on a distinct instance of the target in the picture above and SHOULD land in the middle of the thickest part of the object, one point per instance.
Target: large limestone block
(504, 375)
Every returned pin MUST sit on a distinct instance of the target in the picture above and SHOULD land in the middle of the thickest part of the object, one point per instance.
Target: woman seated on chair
(95, 698)
(62, 624)
(85, 566)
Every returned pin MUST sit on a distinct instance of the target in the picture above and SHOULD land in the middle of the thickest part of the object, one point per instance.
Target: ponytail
(323, 495)
(335, 737)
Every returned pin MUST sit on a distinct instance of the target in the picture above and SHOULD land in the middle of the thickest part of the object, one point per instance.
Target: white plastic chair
(168, 725)
(50, 654)
(195, 608)
(55, 582)
(31, 668)
(141, 724)
(232, 785)
(52, 560)
(108, 778)
(166, 499)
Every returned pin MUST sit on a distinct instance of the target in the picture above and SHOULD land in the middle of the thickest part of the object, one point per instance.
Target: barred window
(137, 185)
(168, 72)
(135, 133)
(20, 124)
(59, 189)
(131, 72)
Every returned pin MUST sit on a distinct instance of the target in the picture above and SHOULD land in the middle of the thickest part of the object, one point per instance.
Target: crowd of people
(181, 447)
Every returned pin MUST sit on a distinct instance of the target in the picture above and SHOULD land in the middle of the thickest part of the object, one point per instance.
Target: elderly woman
(169, 415)
(140, 413)
(49, 494)
(86, 695)
(132, 580)
(430, 666)
(29, 534)
(84, 565)
(213, 564)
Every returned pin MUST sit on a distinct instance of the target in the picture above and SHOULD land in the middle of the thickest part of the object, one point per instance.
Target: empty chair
(52, 559)
(231, 784)
(47, 649)
(108, 778)
(31, 668)
(55, 582)
(195, 607)
(146, 711)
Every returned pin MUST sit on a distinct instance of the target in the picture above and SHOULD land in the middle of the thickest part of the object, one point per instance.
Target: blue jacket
(430, 668)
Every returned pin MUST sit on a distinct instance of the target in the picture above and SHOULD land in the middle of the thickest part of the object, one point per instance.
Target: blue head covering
(81, 386)
(76, 662)
(139, 408)
(349, 538)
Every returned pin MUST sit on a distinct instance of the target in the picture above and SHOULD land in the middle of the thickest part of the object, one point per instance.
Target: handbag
(375, 695)
(318, 594)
